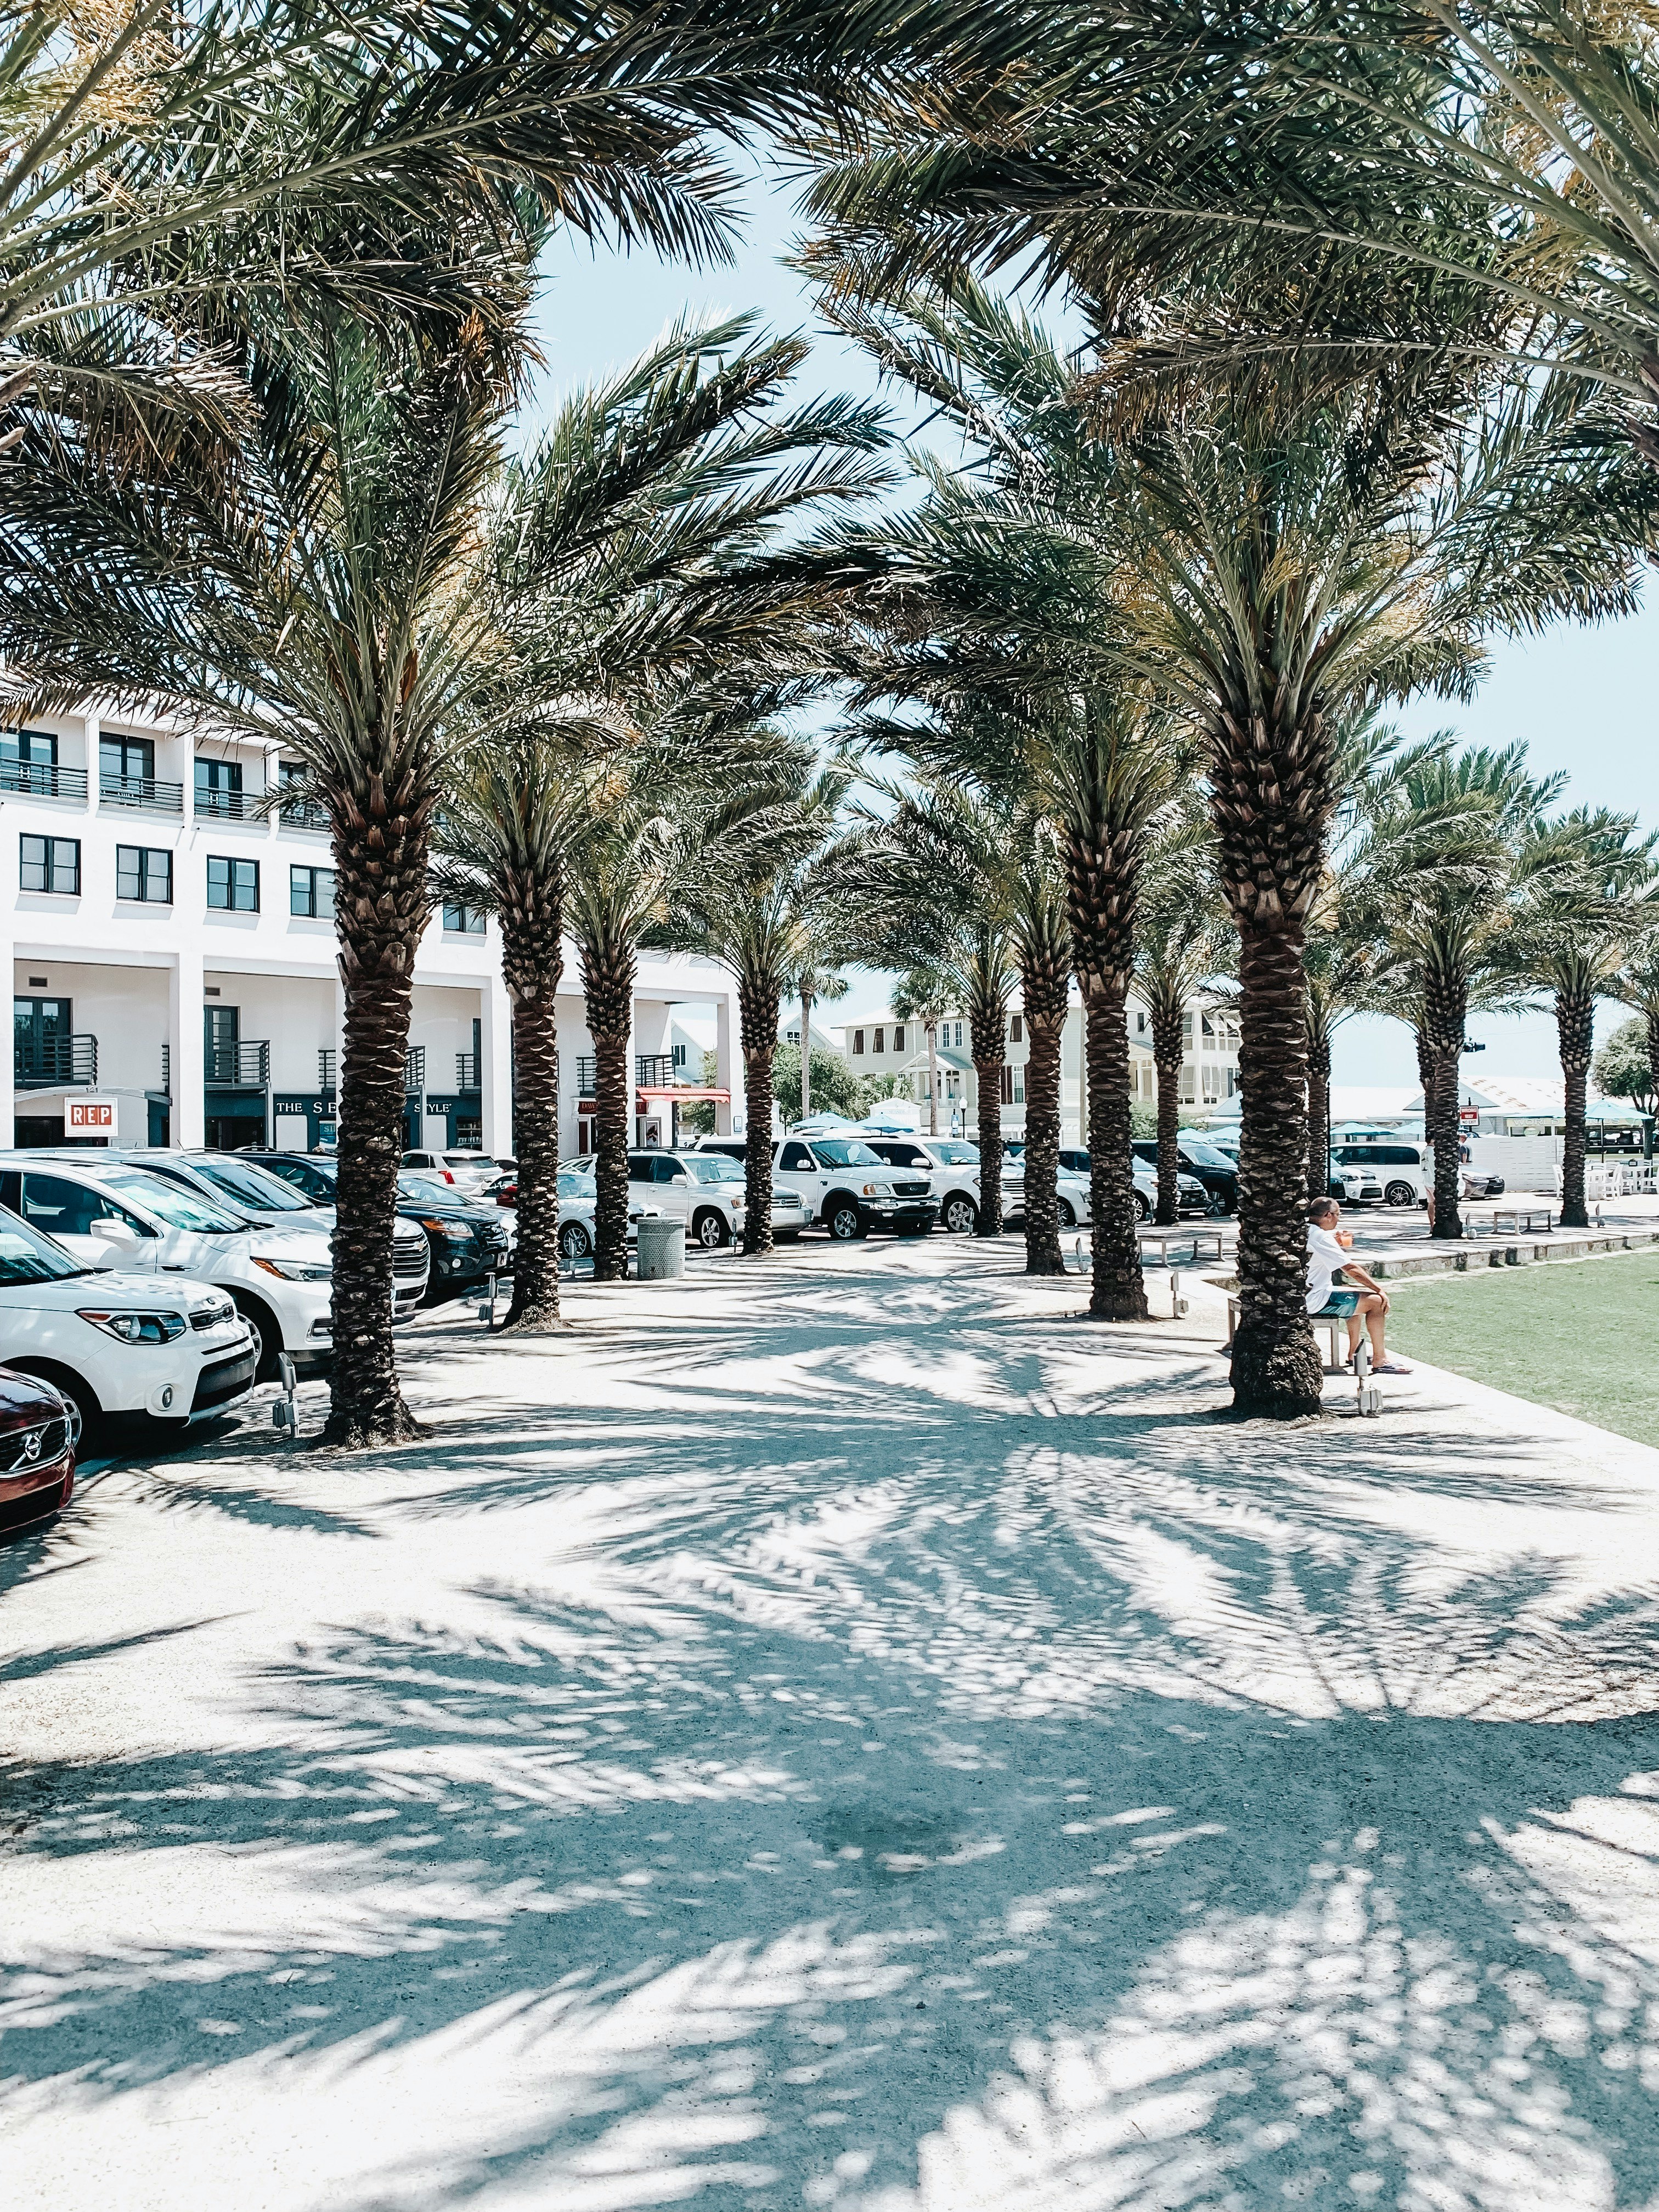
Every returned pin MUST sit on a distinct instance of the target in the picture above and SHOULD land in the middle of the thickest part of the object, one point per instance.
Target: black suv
(1217, 1174)
(467, 1240)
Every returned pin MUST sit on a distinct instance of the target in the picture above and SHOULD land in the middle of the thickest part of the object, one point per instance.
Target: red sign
(89, 1116)
(1468, 1113)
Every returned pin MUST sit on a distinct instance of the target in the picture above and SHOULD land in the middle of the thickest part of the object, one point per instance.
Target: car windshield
(26, 1256)
(955, 1155)
(252, 1186)
(574, 1186)
(712, 1167)
(1204, 1155)
(314, 1177)
(845, 1152)
(169, 1202)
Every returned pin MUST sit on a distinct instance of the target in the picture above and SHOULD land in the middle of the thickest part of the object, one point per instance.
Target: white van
(1403, 1167)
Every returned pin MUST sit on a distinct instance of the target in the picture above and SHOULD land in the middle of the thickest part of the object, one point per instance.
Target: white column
(723, 1075)
(496, 1066)
(185, 1005)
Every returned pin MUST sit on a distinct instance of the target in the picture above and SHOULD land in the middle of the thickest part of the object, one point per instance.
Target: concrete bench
(1163, 1238)
(1523, 1219)
(1335, 1327)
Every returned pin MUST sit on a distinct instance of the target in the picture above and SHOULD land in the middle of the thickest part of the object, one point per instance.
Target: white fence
(1524, 1162)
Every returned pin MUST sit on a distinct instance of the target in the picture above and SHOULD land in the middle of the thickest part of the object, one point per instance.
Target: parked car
(466, 1239)
(951, 1167)
(1355, 1184)
(110, 1215)
(706, 1191)
(578, 1199)
(235, 1180)
(1212, 1168)
(115, 1340)
(38, 1430)
(847, 1188)
(465, 1170)
(1073, 1191)
(1406, 1171)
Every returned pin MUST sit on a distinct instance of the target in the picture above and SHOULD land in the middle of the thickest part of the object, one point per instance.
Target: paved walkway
(846, 1735)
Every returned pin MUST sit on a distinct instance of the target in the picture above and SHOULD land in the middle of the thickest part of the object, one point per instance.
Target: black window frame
(296, 869)
(230, 904)
(47, 864)
(144, 855)
(470, 923)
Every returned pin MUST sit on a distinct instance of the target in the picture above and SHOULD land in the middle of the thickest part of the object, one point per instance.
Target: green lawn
(1580, 1335)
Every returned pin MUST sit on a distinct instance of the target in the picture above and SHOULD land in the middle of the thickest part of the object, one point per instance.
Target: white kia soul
(112, 1216)
(118, 1342)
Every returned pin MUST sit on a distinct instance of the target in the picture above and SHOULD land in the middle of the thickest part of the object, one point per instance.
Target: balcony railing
(244, 1066)
(586, 1077)
(55, 1063)
(655, 1069)
(166, 1070)
(43, 780)
(228, 805)
(328, 1061)
(298, 813)
(415, 1070)
(145, 793)
(466, 1071)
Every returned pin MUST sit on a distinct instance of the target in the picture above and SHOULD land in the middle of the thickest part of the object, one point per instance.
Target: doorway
(41, 1029)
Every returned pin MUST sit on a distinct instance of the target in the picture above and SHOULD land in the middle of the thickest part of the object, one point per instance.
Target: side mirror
(680, 1177)
(112, 1231)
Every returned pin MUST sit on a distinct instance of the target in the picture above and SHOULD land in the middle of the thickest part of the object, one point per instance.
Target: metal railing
(145, 793)
(415, 1070)
(656, 1069)
(300, 813)
(586, 1077)
(466, 1071)
(53, 1062)
(43, 780)
(241, 1067)
(327, 1061)
(166, 1070)
(228, 805)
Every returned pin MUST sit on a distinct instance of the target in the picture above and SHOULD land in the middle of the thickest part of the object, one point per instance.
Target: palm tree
(376, 576)
(1183, 939)
(1041, 937)
(755, 901)
(922, 995)
(815, 984)
(1588, 892)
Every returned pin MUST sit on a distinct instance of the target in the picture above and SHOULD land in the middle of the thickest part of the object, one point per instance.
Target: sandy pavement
(846, 1733)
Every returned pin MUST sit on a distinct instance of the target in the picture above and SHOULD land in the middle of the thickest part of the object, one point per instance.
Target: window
(679, 1056)
(219, 789)
(1186, 1029)
(463, 920)
(1016, 1028)
(1140, 1024)
(144, 872)
(125, 760)
(28, 762)
(880, 1043)
(63, 1208)
(51, 864)
(858, 1041)
(311, 891)
(795, 1159)
(470, 1134)
(898, 1038)
(233, 885)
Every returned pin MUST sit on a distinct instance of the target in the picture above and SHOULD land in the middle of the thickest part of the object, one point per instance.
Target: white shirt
(1325, 1256)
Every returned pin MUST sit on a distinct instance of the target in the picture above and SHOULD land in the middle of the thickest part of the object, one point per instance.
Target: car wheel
(708, 1230)
(844, 1221)
(80, 1396)
(1067, 1214)
(1143, 1211)
(267, 1337)
(961, 1216)
(1399, 1193)
(574, 1243)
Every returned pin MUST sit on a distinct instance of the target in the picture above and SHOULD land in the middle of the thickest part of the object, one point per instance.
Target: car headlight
(454, 1230)
(134, 1327)
(878, 1190)
(294, 1271)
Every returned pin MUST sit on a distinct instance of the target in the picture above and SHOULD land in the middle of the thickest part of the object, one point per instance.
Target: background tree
(812, 987)
(1624, 1068)
(1183, 940)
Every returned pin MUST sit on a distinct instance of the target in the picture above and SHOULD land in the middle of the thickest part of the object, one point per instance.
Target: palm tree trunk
(1575, 1029)
(608, 988)
(1118, 1292)
(531, 963)
(805, 1054)
(1319, 1106)
(1166, 1059)
(1445, 1016)
(380, 905)
(758, 999)
(1276, 1368)
(985, 1023)
(931, 1030)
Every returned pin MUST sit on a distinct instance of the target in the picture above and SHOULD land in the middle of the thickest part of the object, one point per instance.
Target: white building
(174, 978)
(884, 1044)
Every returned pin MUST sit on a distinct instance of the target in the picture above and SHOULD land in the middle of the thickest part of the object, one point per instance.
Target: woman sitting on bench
(1371, 1300)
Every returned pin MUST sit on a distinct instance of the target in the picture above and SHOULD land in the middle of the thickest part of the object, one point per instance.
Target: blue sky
(1585, 700)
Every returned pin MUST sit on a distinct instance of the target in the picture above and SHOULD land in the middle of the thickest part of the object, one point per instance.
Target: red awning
(684, 1093)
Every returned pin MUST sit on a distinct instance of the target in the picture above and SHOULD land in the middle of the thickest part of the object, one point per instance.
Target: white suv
(1405, 1170)
(113, 1342)
(847, 1187)
(951, 1167)
(115, 1216)
(705, 1190)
